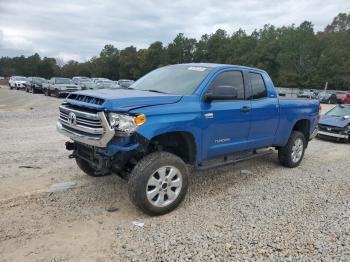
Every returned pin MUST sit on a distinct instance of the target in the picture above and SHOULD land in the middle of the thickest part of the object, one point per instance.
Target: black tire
(147, 167)
(86, 168)
(285, 153)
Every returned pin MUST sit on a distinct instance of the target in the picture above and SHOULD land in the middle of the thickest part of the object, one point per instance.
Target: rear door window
(258, 86)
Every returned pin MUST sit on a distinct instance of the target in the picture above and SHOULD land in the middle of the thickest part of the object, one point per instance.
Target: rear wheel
(293, 152)
(158, 183)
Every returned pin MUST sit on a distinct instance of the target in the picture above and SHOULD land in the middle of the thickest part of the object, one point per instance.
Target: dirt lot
(255, 210)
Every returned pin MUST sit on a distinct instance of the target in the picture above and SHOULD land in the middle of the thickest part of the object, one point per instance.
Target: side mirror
(221, 93)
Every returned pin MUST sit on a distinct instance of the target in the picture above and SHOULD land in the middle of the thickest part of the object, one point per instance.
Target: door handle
(245, 109)
(209, 115)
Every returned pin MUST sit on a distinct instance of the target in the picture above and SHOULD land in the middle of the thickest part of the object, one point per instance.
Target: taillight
(319, 112)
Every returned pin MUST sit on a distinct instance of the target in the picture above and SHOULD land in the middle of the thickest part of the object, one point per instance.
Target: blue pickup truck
(181, 117)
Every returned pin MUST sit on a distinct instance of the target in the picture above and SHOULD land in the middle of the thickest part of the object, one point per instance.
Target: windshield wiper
(155, 91)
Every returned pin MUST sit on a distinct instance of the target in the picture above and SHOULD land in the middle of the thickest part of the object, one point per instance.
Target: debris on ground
(61, 186)
(112, 209)
(34, 167)
(138, 224)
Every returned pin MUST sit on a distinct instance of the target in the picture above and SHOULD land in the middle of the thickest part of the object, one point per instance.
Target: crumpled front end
(95, 141)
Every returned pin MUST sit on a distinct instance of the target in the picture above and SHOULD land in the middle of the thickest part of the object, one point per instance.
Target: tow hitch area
(70, 146)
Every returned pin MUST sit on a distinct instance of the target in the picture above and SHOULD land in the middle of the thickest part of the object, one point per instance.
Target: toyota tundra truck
(179, 118)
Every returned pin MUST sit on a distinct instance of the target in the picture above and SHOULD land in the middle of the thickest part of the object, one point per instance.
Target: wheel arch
(180, 143)
(303, 126)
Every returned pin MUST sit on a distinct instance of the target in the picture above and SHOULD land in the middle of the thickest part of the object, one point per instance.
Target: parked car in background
(17, 82)
(2, 78)
(35, 84)
(85, 83)
(106, 84)
(335, 124)
(343, 98)
(75, 79)
(281, 93)
(96, 79)
(307, 94)
(327, 98)
(60, 86)
(125, 83)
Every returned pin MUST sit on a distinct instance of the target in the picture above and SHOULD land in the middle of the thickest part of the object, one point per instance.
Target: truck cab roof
(222, 66)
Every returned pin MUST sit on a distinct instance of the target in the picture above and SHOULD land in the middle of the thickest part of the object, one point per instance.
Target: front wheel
(87, 168)
(293, 152)
(158, 183)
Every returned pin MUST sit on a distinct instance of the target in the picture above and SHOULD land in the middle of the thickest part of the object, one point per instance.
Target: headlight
(126, 123)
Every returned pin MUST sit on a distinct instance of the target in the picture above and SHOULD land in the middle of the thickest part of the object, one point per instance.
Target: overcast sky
(78, 29)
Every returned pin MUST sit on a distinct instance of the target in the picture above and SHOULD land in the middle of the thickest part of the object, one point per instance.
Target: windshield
(39, 80)
(177, 79)
(339, 111)
(63, 81)
(21, 79)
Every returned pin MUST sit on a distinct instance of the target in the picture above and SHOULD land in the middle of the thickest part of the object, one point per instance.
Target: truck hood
(337, 121)
(119, 100)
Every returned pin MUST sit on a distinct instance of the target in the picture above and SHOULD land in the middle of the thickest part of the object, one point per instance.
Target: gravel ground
(256, 210)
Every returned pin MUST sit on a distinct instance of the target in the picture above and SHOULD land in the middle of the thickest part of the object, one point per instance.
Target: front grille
(86, 99)
(84, 125)
(330, 129)
(84, 122)
(81, 120)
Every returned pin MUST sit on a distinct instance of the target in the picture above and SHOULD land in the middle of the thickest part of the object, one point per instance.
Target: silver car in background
(125, 83)
(60, 86)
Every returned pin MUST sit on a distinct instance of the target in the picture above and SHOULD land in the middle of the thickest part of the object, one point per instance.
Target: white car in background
(106, 84)
(85, 83)
(96, 79)
(17, 82)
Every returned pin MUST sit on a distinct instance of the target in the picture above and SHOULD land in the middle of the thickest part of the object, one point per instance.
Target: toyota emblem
(72, 119)
(329, 129)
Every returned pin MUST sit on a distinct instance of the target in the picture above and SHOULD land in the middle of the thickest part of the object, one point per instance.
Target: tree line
(294, 56)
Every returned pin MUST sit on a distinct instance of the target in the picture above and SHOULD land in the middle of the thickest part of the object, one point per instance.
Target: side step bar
(253, 155)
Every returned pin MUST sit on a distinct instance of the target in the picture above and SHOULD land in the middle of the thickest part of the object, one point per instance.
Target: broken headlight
(126, 123)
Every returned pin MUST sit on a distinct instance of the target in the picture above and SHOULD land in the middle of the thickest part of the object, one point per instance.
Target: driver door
(226, 122)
